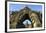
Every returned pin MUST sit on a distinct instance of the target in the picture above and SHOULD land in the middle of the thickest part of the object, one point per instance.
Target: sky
(17, 7)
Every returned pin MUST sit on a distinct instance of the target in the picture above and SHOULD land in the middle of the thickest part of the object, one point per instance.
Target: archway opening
(21, 25)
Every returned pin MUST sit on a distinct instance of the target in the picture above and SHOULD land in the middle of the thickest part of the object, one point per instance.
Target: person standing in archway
(27, 23)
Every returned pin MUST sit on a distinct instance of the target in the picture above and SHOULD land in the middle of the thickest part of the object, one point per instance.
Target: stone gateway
(33, 19)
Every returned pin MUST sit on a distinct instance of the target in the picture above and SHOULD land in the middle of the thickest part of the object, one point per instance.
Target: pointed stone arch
(31, 16)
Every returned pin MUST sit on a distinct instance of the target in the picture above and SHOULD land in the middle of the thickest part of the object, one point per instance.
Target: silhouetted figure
(27, 23)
